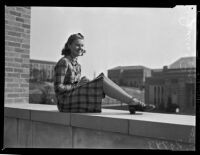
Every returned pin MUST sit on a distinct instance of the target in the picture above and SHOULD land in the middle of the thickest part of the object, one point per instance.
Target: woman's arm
(60, 73)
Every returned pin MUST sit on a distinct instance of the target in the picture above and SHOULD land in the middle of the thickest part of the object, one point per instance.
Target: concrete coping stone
(155, 125)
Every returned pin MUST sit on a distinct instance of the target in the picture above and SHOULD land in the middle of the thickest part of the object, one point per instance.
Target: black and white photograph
(100, 77)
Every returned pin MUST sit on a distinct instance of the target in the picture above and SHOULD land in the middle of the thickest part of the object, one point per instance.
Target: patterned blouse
(67, 74)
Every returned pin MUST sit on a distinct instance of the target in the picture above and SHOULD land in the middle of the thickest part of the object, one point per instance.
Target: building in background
(41, 70)
(184, 62)
(173, 85)
(132, 76)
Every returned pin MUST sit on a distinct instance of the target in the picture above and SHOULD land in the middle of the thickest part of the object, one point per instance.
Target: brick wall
(17, 53)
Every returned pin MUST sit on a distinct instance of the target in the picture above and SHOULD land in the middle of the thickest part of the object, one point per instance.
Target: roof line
(42, 61)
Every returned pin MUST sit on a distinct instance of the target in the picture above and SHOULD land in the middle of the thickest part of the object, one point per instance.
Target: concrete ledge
(99, 123)
(51, 117)
(49, 135)
(17, 113)
(165, 131)
(10, 132)
(45, 120)
(88, 138)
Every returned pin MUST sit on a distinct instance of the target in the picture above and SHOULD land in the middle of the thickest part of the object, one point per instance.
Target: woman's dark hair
(66, 51)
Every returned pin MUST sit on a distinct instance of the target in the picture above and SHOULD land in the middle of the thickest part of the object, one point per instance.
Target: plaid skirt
(85, 98)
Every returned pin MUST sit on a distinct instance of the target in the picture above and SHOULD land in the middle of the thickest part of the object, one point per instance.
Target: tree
(43, 75)
(47, 97)
(36, 74)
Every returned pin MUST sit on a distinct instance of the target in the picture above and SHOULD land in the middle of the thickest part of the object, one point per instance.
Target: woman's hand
(83, 80)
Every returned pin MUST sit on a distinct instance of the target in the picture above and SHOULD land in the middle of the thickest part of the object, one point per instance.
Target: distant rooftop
(129, 67)
(157, 70)
(42, 61)
(184, 62)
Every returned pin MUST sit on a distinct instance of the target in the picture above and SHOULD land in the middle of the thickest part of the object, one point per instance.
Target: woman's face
(77, 47)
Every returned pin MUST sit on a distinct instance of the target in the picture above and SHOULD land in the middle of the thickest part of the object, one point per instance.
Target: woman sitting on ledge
(76, 94)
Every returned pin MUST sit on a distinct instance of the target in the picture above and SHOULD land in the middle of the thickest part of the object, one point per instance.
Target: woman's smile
(77, 47)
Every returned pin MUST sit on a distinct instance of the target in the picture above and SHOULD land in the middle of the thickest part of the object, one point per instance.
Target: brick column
(17, 53)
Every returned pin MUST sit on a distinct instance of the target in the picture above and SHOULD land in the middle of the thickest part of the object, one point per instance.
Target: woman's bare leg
(113, 90)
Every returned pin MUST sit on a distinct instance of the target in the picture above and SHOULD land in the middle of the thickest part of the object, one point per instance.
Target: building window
(158, 95)
(174, 81)
(162, 94)
(49, 74)
(155, 94)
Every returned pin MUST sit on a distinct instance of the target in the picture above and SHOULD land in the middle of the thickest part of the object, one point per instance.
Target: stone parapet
(35, 125)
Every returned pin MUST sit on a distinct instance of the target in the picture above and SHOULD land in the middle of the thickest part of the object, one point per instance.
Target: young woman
(76, 94)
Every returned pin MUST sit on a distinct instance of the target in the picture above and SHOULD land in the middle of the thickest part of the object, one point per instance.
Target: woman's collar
(73, 60)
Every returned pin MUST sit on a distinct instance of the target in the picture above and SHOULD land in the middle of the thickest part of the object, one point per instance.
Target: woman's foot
(136, 105)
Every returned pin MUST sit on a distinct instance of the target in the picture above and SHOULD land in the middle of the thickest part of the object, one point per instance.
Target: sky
(115, 36)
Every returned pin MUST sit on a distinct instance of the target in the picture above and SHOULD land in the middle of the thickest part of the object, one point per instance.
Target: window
(158, 95)
(174, 81)
(155, 94)
(162, 94)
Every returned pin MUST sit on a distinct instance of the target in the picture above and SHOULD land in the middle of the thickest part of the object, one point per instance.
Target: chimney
(165, 68)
